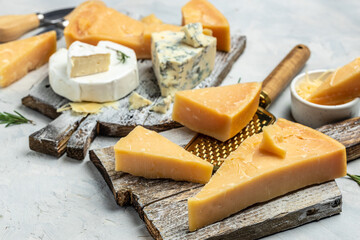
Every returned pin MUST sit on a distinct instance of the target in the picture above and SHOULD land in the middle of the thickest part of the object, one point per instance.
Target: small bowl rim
(314, 105)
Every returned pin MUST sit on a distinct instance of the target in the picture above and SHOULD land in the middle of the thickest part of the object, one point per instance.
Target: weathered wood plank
(129, 189)
(348, 133)
(81, 139)
(52, 139)
(43, 99)
(168, 218)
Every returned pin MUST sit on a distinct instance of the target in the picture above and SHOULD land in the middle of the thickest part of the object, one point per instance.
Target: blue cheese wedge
(162, 106)
(137, 101)
(120, 80)
(179, 66)
(193, 35)
(85, 59)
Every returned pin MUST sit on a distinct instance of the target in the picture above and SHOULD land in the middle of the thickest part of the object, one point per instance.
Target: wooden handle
(14, 26)
(285, 71)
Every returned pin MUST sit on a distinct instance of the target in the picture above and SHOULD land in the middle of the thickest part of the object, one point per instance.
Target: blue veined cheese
(162, 106)
(177, 65)
(193, 35)
(137, 101)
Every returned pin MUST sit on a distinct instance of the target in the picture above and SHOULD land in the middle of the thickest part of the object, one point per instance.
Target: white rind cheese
(85, 59)
(137, 101)
(121, 79)
(179, 66)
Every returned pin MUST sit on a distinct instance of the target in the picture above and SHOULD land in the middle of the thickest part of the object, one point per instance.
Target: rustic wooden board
(162, 204)
(114, 122)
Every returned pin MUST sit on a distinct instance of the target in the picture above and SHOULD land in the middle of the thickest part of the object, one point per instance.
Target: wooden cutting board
(162, 204)
(73, 133)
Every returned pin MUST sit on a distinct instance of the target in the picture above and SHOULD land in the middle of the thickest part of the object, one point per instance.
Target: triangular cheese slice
(204, 12)
(272, 141)
(340, 87)
(219, 112)
(250, 176)
(147, 154)
(19, 57)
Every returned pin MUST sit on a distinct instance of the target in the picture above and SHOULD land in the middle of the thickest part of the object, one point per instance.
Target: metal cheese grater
(213, 150)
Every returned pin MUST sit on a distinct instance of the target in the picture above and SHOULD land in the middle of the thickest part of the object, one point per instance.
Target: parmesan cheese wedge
(250, 176)
(340, 87)
(19, 57)
(148, 154)
(219, 112)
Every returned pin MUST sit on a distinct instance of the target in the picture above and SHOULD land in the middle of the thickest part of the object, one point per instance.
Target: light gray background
(42, 197)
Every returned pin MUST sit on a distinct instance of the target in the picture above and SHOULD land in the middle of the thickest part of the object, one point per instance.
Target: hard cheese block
(204, 12)
(179, 66)
(93, 21)
(219, 112)
(19, 57)
(120, 80)
(148, 154)
(249, 176)
(85, 59)
(340, 87)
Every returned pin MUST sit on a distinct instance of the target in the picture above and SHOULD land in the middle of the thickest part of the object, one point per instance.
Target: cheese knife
(14, 26)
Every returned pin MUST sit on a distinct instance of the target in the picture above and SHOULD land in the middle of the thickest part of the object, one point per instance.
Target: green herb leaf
(13, 119)
(121, 56)
(239, 80)
(356, 178)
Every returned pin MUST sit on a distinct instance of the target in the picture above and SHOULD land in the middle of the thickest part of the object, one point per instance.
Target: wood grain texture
(348, 133)
(52, 139)
(117, 122)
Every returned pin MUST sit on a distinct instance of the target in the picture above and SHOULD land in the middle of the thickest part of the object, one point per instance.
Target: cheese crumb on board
(162, 106)
(179, 66)
(87, 107)
(137, 101)
(272, 141)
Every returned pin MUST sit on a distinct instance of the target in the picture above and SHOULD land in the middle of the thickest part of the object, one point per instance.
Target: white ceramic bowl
(316, 115)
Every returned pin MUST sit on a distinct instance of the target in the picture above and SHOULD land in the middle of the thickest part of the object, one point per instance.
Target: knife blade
(14, 26)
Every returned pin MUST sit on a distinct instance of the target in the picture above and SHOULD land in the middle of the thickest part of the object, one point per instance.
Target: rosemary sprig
(12, 119)
(356, 178)
(121, 56)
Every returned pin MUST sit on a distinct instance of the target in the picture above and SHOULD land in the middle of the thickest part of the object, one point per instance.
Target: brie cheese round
(121, 78)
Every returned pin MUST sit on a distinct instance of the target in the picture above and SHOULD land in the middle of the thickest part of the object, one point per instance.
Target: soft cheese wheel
(219, 112)
(340, 87)
(250, 176)
(148, 154)
(19, 57)
(204, 12)
(120, 80)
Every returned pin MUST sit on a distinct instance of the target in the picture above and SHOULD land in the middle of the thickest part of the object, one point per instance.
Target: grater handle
(279, 78)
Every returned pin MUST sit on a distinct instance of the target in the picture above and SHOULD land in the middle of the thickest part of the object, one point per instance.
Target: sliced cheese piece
(137, 101)
(148, 154)
(178, 66)
(19, 57)
(249, 176)
(88, 107)
(121, 79)
(162, 106)
(273, 140)
(340, 87)
(93, 21)
(219, 112)
(85, 59)
(193, 35)
(204, 12)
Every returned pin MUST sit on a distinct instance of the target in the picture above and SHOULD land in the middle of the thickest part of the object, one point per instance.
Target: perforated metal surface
(214, 151)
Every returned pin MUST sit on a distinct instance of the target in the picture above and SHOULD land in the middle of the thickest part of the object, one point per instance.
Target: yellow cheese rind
(19, 57)
(249, 176)
(272, 141)
(147, 154)
(204, 12)
(219, 112)
(340, 87)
